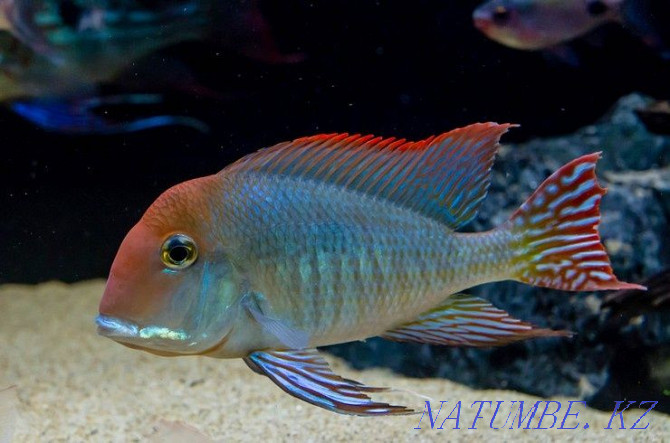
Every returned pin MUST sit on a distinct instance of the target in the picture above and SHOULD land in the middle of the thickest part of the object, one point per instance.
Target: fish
(55, 54)
(95, 50)
(336, 238)
(102, 35)
(77, 115)
(52, 62)
(541, 24)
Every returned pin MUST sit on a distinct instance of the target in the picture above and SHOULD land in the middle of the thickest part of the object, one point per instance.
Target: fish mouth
(155, 339)
(113, 327)
(147, 337)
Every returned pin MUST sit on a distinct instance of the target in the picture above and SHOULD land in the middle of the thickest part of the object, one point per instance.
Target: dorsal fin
(443, 177)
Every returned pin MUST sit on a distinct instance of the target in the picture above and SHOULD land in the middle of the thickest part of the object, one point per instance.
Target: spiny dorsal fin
(443, 177)
(465, 320)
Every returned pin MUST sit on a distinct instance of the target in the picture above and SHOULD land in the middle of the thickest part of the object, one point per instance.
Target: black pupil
(596, 7)
(179, 253)
(500, 15)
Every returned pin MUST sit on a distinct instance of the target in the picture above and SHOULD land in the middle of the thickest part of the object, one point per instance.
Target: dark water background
(408, 69)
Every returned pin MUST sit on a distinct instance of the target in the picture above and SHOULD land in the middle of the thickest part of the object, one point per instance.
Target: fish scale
(337, 298)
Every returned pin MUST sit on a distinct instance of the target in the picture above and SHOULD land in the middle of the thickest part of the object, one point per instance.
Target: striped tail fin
(555, 233)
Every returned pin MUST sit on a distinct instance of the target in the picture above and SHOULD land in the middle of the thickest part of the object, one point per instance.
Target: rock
(656, 117)
(634, 228)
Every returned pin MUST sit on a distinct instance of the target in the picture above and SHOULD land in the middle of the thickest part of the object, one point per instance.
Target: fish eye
(501, 15)
(596, 7)
(179, 251)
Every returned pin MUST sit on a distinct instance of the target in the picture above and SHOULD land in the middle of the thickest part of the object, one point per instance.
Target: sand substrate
(73, 385)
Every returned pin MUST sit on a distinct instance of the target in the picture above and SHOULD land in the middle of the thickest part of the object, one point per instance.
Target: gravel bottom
(73, 385)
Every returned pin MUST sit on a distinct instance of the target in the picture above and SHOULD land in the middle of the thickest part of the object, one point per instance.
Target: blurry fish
(632, 325)
(51, 64)
(241, 26)
(8, 405)
(634, 302)
(57, 97)
(78, 115)
(97, 49)
(55, 53)
(335, 238)
(541, 24)
(106, 33)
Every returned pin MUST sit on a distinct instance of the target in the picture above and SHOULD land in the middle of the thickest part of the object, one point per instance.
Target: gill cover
(169, 289)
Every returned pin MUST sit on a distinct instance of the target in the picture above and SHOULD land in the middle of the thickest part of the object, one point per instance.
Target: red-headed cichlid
(334, 238)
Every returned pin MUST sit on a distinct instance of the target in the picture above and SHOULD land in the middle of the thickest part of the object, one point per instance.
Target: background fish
(55, 53)
(94, 41)
(334, 238)
(101, 37)
(541, 24)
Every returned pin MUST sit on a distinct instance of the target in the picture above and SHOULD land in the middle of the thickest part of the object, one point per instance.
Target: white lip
(116, 328)
(128, 332)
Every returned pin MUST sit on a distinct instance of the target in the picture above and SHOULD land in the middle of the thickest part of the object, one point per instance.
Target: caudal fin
(556, 233)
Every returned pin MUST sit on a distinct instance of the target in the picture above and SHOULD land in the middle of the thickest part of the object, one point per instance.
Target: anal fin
(465, 320)
(304, 374)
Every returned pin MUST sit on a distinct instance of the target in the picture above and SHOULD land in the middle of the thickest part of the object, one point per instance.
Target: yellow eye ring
(179, 251)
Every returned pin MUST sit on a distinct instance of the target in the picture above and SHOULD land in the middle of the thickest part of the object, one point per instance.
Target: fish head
(539, 24)
(171, 287)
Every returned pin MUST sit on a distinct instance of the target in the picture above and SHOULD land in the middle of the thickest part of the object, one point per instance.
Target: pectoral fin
(304, 374)
(464, 320)
(290, 337)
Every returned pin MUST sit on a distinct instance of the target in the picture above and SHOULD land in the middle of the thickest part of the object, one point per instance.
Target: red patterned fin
(464, 320)
(304, 374)
(444, 177)
(556, 232)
